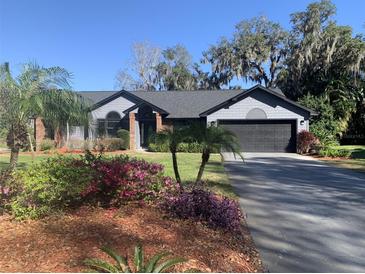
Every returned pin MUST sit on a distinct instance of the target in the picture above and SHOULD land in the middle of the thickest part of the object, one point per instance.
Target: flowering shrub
(63, 182)
(202, 205)
(306, 141)
(119, 180)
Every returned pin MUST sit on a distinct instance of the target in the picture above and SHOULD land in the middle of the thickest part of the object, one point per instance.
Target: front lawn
(357, 160)
(189, 163)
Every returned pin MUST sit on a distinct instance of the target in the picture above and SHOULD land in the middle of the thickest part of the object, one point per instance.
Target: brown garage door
(264, 135)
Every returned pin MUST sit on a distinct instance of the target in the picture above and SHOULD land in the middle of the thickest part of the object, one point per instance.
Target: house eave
(244, 94)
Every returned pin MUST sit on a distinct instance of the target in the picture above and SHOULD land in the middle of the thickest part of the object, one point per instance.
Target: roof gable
(246, 93)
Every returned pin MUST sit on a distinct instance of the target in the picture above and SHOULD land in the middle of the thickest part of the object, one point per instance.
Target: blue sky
(93, 38)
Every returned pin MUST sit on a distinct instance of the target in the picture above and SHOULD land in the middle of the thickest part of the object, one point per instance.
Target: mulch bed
(61, 243)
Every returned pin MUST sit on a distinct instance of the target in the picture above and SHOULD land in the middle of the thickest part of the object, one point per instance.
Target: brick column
(132, 131)
(159, 126)
(40, 132)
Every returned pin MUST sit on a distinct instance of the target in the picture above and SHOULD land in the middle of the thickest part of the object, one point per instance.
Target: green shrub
(46, 144)
(332, 152)
(325, 126)
(154, 147)
(124, 135)
(49, 186)
(193, 147)
(189, 147)
(109, 144)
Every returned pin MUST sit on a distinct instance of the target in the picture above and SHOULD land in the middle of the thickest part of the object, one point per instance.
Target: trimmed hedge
(109, 144)
(193, 147)
(124, 135)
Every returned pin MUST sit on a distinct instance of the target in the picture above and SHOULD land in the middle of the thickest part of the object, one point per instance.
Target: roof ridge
(188, 91)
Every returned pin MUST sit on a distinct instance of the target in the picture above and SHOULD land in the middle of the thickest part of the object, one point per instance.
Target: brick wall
(159, 126)
(40, 132)
(132, 131)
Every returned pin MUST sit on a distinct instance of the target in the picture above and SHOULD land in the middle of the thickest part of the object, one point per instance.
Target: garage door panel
(264, 135)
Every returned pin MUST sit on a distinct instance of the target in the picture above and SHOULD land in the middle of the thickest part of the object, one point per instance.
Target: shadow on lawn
(358, 153)
(4, 163)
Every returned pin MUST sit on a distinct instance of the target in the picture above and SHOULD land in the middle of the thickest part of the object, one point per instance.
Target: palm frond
(122, 263)
(138, 258)
(101, 266)
(150, 266)
(167, 264)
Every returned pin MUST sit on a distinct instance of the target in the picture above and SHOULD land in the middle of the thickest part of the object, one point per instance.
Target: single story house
(263, 119)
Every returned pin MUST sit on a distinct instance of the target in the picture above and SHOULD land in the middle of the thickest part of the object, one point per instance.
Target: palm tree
(36, 92)
(213, 138)
(172, 137)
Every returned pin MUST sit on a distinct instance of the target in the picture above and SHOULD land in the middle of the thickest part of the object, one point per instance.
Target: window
(108, 127)
(112, 123)
(101, 128)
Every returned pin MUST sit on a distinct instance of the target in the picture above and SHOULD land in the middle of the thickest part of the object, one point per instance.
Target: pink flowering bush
(118, 181)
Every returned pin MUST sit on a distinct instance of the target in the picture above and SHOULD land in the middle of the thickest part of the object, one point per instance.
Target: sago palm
(121, 264)
(213, 138)
(36, 92)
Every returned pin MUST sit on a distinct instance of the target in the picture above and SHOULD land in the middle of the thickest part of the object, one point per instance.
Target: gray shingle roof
(97, 96)
(178, 104)
(186, 104)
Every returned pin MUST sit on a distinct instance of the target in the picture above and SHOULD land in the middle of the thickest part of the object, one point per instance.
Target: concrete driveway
(304, 216)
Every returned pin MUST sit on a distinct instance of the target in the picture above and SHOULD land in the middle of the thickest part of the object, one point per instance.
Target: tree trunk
(14, 155)
(205, 159)
(31, 146)
(58, 137)
(67, 134)
(176, 168)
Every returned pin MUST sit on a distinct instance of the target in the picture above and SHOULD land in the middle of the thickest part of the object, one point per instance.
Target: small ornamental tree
(306, 140)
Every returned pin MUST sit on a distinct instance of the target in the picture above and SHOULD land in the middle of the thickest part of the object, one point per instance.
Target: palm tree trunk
(67, 134)
(31, 146)
(176, 168)
(14, 155)
(205, 159)
(58, 137)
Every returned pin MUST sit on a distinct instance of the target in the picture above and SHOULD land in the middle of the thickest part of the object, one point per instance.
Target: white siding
(119, 105)
(274, 107)
(76, 133)
(137, 135)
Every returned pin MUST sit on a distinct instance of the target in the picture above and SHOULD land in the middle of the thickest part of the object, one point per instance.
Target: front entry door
(147, 129)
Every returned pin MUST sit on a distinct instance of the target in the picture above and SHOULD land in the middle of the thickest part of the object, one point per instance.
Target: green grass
(357, 152)
(357, 161)
(214, 173)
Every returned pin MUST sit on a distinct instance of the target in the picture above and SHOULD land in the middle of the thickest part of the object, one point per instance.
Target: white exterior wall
(119, 105)
(76, 133)
(274, 107)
